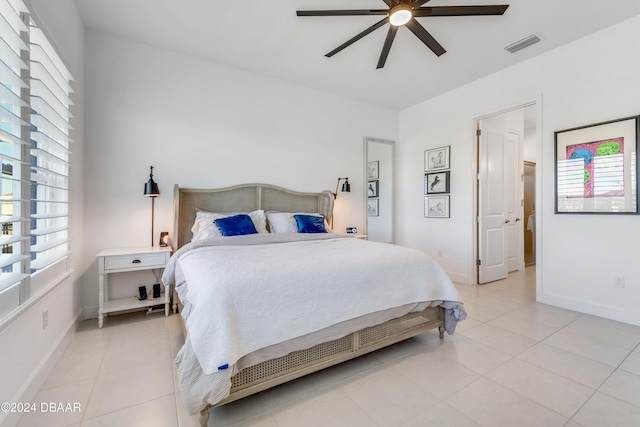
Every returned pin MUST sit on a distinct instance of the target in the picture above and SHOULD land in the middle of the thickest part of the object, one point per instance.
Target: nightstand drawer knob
(135, 261)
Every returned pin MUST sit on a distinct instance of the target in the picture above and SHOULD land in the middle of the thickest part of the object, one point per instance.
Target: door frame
(394, 187)
(537, 102)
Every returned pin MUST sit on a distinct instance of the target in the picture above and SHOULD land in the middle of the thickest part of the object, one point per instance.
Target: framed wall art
(373, 207)
(436, 206)
(372, 170)
(595, 168)
(437, 159)
(373, 189)
(436, 182)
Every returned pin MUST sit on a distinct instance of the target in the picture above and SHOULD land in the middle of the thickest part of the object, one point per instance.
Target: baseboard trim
(90, 312)
(37, 378)
(608, 312)
(458, 278)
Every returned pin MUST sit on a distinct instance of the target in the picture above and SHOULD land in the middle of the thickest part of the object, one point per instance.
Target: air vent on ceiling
(521, 44)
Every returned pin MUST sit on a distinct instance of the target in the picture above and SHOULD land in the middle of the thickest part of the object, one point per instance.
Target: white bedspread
(245, 297)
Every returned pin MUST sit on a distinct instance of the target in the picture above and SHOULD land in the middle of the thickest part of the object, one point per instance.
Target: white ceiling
(266, 37)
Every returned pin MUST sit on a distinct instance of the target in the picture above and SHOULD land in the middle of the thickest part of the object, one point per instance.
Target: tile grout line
(95, 378)
(605, 380)
(127, 407)
(485, 375)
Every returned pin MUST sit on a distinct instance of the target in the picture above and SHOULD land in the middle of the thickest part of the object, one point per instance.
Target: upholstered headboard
(242, 198)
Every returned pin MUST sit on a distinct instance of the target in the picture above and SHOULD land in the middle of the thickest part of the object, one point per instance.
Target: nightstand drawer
(135, 261)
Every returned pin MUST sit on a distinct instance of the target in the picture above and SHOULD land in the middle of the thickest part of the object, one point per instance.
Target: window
(49, 163)
(34, 154)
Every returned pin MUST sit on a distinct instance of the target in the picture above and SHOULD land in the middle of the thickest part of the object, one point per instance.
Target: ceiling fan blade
(424, 36)
(342, 12)
(358, 37)
(460, 10)
(391, 3)
(418, 3)
(387, 46)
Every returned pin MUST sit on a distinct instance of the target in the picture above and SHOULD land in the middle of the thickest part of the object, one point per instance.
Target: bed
(242, 297)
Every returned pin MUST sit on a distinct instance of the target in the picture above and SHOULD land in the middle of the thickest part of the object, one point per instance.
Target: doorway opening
(529, 186)
(505, 192)
(380, 197)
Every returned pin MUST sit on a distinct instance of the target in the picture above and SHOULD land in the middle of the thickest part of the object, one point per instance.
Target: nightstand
(358, 236)
(112, 261)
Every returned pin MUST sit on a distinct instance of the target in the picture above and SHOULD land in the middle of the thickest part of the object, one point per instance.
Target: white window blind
(50, 103)
(14, 134)
(34, 154)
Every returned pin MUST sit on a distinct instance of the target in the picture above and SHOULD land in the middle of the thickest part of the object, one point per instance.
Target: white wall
(206, 125)
(589, 81)
(28, 351)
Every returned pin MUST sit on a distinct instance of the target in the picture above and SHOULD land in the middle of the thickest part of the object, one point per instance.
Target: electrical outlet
(618, 282)
(45, 319)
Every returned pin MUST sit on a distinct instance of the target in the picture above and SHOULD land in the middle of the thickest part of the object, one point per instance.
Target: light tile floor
(513, 362)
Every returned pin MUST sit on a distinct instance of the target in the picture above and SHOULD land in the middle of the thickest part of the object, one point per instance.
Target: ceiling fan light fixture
(405, 13)
(400, 15)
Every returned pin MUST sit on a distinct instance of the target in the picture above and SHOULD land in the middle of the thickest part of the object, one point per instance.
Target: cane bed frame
(267, 374)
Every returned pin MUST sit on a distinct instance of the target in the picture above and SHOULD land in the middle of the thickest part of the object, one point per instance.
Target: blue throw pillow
(236, 225)
(310, 224)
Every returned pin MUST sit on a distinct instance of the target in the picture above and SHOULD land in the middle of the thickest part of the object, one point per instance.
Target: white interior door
(500, 210)
(491, 203)
(513, 187)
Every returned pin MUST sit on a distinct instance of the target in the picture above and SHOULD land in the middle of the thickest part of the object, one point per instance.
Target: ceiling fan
(404, 13)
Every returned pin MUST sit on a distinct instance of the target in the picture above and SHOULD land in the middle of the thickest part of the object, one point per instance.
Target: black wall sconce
(151, 190)
(346, 187)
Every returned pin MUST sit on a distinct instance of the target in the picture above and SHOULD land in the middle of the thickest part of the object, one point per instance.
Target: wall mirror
(380, 189)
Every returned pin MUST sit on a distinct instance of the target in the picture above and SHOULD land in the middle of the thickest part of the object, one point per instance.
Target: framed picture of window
(373, 207)
(372, 170)
(436, 182)
(595, 168)
(373, 188)
(437, 159)
(436, 207)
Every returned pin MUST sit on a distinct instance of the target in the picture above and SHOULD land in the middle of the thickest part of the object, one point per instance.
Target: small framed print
(373, 188)
(436, 183)
(436, 206)
(372, 170)
(373, 207)
(437, 159)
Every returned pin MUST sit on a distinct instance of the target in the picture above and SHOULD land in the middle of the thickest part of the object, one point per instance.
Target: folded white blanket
(249, 296)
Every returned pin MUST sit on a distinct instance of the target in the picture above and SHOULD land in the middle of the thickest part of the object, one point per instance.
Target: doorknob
(506, 221)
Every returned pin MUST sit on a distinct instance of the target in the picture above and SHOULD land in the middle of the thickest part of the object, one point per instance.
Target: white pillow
(284, 222)
(203, 226)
